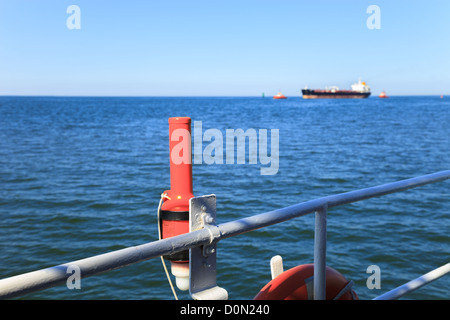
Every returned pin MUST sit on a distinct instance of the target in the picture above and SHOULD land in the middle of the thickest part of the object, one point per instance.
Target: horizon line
(195, 96)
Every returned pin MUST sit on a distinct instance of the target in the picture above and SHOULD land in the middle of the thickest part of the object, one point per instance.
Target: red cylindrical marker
(174, 212)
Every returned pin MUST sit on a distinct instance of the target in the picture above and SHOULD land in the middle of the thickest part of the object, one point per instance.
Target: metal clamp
(202, 260)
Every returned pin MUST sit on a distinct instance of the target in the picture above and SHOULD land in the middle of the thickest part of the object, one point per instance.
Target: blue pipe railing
(41, 279)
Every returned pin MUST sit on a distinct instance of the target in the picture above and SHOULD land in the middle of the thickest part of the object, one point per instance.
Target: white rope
(164, 195)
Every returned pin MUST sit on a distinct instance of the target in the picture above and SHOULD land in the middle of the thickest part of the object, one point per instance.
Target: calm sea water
(81, 176)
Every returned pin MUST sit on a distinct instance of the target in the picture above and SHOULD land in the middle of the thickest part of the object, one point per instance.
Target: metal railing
(41, 279)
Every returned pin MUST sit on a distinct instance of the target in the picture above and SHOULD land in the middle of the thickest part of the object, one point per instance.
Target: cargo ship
(359, 90)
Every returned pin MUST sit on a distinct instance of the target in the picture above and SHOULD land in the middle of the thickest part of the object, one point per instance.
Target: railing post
(320, 252)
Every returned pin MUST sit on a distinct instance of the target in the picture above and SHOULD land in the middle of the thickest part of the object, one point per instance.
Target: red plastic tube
(174, 213)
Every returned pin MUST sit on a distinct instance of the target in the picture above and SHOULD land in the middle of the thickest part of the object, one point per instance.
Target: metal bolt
(209, 219)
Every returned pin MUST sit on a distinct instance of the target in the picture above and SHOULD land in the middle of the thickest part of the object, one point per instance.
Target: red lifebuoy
(297, 284)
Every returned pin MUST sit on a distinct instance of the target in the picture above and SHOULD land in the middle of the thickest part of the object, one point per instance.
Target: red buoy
(279, 95)
(383, 95)
(174, 213)
(175, 209)
(297, 284)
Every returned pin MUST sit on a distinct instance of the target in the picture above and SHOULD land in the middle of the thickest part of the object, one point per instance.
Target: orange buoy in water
(297, 284)
(279, 96)
(383, 95)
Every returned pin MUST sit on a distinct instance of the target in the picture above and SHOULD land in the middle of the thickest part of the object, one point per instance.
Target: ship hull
(341, 94)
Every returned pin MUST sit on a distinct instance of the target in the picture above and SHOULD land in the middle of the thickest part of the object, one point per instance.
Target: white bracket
(202, 260)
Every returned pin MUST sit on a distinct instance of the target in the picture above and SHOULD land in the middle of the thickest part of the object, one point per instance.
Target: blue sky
(222, 48)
